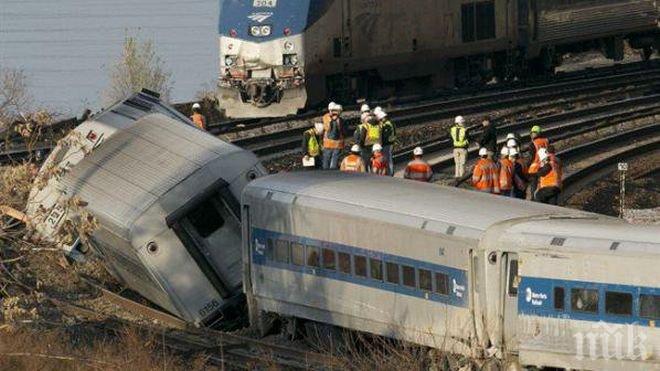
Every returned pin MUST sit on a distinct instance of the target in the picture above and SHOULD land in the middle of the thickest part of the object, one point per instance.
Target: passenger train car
(461, 271)
(166, 199)
(279, 56)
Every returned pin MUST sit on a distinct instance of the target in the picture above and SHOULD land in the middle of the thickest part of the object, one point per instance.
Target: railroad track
(557, 127)
(221, 348)
(279, 142)
(235, 126)
(596, 83)
(591, 161)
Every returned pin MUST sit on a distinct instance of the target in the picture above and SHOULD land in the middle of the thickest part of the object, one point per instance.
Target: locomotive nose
(261, 92)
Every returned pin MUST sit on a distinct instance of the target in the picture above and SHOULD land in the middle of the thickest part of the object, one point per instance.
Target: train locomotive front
(262, 59)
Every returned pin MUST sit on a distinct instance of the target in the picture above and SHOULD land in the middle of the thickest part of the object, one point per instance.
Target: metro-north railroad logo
(260, 17)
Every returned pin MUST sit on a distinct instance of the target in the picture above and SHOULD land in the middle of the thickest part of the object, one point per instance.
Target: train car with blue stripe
(440, 267)
(280, 56)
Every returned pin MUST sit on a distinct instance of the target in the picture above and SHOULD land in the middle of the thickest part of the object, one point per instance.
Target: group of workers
(372, 152)
(511, 175)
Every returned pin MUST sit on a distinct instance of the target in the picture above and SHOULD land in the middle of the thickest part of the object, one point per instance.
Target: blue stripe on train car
(296, 15)
(457, 285)
(537, 298)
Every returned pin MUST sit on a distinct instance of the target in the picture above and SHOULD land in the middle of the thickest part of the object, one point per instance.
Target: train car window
(584, 300)
(619, 303)
(485, 20)
(559, 296)
(513, 278)
(649, 306)
(408, 273)
(206, 219)
(282, 251)
(336, 47)
(392, 272)
(376, 269)
(478, 21)
(425, 280)
(313, 256)
(360, 266)
(297, 254)
(441, 283)
(270, 249)
(344, 260)
(329, 259)
(467, 21)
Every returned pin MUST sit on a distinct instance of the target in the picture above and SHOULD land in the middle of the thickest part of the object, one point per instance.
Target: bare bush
(14, 95)
(139, 67)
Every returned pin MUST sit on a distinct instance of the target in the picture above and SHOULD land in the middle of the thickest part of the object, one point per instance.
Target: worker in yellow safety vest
(366, 135)
(388, 138)
(311, 147)
(459, 136)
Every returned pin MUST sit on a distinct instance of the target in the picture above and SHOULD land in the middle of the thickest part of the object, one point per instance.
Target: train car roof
(123, 159)
(466, 210)
(597, 235)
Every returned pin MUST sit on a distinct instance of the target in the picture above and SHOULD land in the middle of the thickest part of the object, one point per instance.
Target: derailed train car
(277, 56)
(165, 196)
(464, 272)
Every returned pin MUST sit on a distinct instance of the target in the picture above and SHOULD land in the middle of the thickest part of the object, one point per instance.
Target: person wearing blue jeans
(333, 137)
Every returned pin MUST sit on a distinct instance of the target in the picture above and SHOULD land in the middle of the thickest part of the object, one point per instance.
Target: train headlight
(230, 60)
(290, 59)
(265, 30)
(288, 46)
(255, 31)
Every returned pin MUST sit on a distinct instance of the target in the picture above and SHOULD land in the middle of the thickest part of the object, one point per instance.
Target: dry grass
(84, 349)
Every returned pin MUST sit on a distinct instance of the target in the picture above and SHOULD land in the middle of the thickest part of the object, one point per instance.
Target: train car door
(510, 299)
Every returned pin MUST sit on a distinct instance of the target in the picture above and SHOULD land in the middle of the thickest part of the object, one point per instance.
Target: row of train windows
(297, 254)
(616, 303)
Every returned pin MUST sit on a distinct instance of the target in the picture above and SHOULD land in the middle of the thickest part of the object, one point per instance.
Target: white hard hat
(511, 136)
(459, 120)
(513, 152)
(196, 106)
(483, 151)
(511, 143)
(543, 154)
(365, 108)
(380, 114)
(504, 151)
(378, 109)
(355, 148)
(332, 106)
(377, 147)
(339, 107)
(418, 151)
(319, 127)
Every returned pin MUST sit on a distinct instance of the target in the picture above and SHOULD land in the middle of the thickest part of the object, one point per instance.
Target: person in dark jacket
(488, 138)
(519, 178)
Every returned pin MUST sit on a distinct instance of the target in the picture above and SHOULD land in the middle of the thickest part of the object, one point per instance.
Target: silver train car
(277, 57)
(445, 268)
(166, 198)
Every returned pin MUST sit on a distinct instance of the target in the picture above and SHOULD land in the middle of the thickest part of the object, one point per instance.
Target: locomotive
(278, 57)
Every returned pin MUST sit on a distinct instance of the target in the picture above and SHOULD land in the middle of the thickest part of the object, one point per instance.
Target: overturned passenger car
(165, 197)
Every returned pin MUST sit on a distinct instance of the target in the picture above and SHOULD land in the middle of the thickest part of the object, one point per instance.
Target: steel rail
(288, 139)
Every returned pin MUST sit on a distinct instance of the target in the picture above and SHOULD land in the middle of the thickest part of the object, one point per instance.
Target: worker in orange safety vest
(485, 177)
(353, 163)
(506, 173)
(197, 118)
(418, 169)
(378, 160)
(333, 136)
(550, 178)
